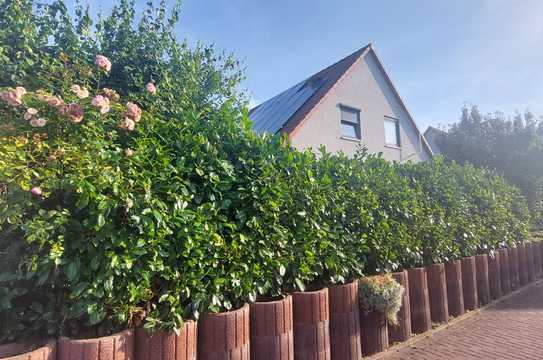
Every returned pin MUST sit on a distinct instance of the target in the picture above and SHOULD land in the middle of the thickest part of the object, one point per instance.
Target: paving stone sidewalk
(511, 329)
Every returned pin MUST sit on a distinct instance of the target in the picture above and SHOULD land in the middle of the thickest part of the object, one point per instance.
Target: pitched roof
(285, 111)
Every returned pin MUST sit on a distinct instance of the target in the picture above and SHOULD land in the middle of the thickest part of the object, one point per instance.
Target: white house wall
(363, 87)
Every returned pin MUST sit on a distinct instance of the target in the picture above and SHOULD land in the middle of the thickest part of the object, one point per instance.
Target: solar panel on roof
(274, 113)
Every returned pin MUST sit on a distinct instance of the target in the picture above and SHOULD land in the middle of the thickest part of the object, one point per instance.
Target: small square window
(349, 129)
(392, 131)
(350, 123)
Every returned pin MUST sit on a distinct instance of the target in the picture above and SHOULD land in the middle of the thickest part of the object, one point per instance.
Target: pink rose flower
(13, 98)
(132, 111)
(29, 114)
(99, 101)
(151, 88)
(75, 113)
(80, 92)
(102, 103)
(36, 191)
(128, 152)
(20, 91)
(40, 122)
(103, 62)
(127, 124)
(55, 101)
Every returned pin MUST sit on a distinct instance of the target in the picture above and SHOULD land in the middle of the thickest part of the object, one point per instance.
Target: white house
(350, 103)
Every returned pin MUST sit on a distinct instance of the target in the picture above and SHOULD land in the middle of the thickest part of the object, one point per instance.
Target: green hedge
(193, 212)
(206, 215)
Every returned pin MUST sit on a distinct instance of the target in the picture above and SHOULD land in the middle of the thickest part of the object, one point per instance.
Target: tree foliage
(512, 146)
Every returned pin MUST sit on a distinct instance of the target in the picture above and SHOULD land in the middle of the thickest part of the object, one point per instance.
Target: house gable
(367, 88)
(285, 111)
(309, 112)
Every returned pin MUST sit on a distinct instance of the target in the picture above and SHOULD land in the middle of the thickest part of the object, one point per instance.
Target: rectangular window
(392, 131)
(350, 123)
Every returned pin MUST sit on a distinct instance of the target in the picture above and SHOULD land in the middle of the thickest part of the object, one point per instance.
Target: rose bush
(68, 158)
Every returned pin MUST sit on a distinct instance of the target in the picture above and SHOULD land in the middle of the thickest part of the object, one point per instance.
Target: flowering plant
(62, 160)
(115, 176)
(120, 208)
(40, 106)
(381, 293)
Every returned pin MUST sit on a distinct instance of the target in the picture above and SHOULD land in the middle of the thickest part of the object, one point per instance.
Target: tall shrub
(84, 256)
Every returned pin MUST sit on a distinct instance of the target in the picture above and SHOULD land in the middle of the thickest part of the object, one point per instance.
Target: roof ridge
(284, 111)
(360, 51)
(355, 54)
(336, 71)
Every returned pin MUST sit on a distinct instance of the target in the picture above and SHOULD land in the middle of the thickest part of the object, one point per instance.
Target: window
(350, 123)
(392, 132)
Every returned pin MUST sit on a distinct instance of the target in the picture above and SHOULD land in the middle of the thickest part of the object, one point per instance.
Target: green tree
(512, 146)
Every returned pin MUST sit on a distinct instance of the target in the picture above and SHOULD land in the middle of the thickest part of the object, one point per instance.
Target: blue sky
(440, 54)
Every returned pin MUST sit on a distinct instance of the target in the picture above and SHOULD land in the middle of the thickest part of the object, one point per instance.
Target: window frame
(357, 125)
(396, 122)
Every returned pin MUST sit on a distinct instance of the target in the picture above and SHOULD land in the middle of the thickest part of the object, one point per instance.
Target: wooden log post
(437, 293)
(540, 243)
(514, 267)
(311, 325)
(494, 275)
(505, 271)
(537, 258)
(522, 265)
(41, 350)
(225, 335)
(118, 346)
(345, 322)
(483, 286)
(402, 331)
(455, 294)
(167, 345)
(374, 332)
(530, 262)
(271, 326)
(419, 301)
(469, 283)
